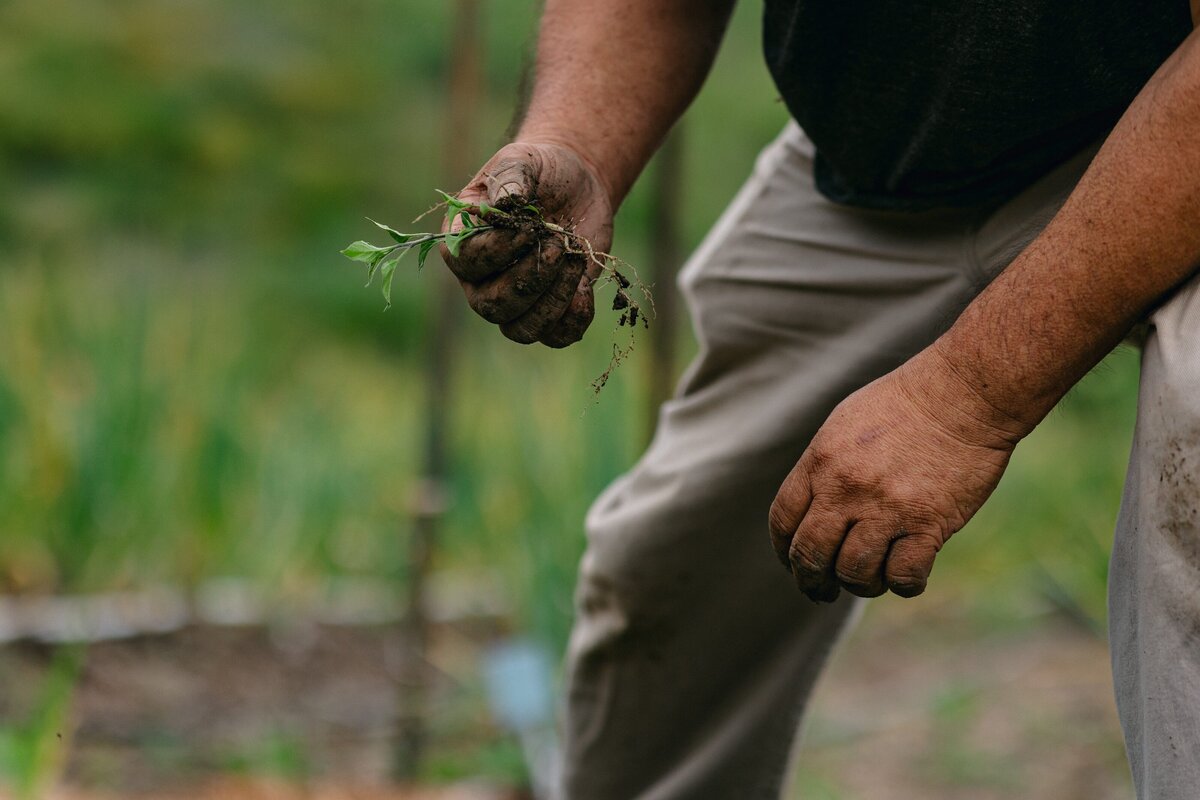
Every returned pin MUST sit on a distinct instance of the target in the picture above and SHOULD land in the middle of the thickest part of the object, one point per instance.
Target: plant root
(632, 296)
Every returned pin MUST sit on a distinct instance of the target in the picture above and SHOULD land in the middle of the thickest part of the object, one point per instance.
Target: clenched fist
(899, 467)
(523, 280)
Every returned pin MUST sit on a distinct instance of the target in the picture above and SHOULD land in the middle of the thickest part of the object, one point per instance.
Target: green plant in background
(188, 391)
(278, 754)
(32, 753)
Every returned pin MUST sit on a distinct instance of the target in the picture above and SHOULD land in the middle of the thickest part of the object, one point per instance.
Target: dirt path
(921, 702)
(267, 789)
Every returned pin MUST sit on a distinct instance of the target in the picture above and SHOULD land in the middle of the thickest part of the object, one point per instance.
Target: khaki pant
(693, 654)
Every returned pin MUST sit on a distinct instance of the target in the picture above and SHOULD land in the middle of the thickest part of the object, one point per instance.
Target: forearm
(612, 76)
(1127, 235)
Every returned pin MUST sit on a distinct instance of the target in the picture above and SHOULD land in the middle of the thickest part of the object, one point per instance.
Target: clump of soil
(523, 214)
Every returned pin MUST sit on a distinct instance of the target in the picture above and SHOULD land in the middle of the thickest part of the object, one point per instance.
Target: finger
(548, 309)
(575, 320)
(862, 556)
(504, 297)
(512, 178)
(910, 561)
(484, 254)
(813, 551)
(571, 326)
(790, 505)
(508, 178)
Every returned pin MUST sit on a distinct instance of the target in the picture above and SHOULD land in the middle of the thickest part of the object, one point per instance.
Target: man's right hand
(529, 284)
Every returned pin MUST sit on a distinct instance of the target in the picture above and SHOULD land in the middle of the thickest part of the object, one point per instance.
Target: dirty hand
(897, 468)
(524, 281)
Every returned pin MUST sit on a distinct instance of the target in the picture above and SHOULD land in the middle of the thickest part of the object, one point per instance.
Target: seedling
(510, 213)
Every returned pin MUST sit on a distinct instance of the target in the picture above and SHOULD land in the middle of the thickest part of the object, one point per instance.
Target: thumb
(510, 176)
(513, 176)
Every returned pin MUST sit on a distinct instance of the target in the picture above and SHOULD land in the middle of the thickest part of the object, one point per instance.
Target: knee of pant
(622, 559)
(615, 616)
(638, 544)
(699, 290)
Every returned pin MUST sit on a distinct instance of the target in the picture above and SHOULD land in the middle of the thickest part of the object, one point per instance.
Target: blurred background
(259, 537)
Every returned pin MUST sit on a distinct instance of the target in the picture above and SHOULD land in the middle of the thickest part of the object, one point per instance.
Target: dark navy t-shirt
(915, 104)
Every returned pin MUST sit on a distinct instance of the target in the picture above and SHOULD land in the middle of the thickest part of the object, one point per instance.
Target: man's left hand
(897, 468)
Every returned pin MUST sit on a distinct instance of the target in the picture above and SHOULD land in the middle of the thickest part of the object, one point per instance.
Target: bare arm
(612, 76)
(1129, 233)
(905, 462)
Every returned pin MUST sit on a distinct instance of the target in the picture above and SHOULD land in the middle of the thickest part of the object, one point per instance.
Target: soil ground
(926, 702)
(921, 702)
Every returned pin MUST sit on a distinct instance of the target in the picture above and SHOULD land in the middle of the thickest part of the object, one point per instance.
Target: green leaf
(454, 240)
(386, 273)
(424, 253)
(466, 220)
(455, 204)
(374, 262)
(485, 209)
(365, 252)
(401, 238)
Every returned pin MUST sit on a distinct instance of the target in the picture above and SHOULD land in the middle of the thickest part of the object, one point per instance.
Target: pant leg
(1154, 579)
(693, 654)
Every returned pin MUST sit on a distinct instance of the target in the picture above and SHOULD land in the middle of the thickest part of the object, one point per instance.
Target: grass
(32, 749)
(193, 384)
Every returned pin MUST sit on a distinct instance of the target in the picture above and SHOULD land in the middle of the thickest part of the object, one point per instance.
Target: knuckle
(468, 266)
(486, 254)
(910, 563)
(817, 456)
(779, 521)
(854, 571)
(804, 557)
(917, 519)
(519, 334)
(566, 332)
(859, 573)
(522, 281)
(581, 310)
(490, 307)
(846, 482)
(523, 330)
(925, 541)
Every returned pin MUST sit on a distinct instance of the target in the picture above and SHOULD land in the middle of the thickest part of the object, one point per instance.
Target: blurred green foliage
(193, 383)
(32, 753)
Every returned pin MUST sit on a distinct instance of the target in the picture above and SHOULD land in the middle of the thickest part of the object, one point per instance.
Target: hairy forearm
(612, 76)
(1127, 235)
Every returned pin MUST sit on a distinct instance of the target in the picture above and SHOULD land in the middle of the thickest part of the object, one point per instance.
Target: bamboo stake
(430, 504)
(665, 255)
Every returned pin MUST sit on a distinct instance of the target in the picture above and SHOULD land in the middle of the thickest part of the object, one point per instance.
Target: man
(994, 193)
